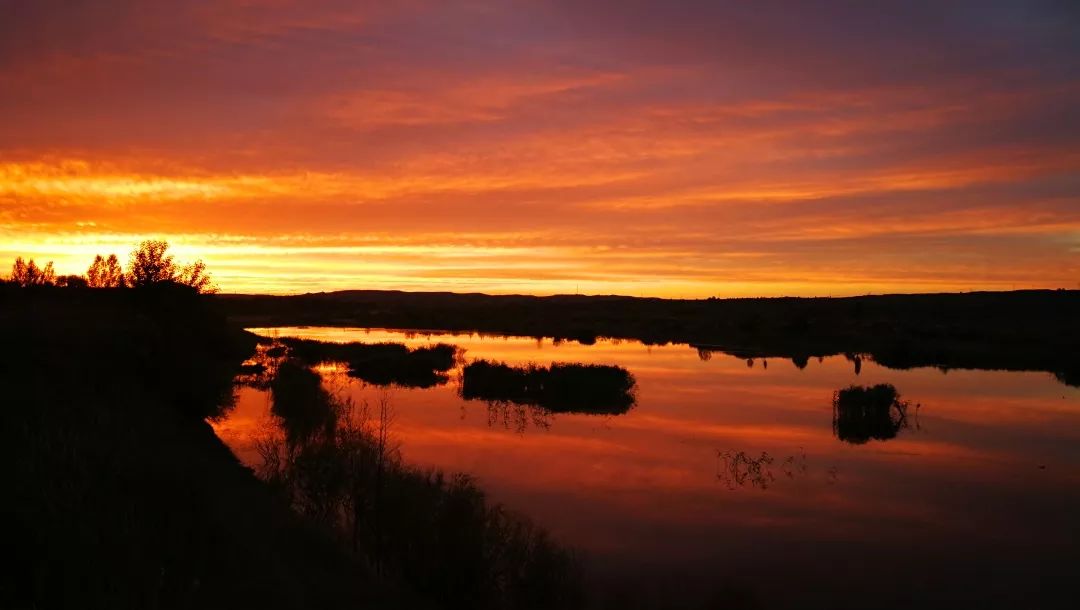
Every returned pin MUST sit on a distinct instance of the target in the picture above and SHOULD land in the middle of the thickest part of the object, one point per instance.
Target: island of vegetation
(559, 388)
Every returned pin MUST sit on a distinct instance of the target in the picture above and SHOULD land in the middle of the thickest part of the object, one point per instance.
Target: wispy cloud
(687, 148)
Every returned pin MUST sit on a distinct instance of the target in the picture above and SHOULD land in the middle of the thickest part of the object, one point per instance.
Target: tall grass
(338, 464)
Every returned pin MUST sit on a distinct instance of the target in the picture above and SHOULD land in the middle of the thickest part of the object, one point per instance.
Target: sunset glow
(681, 149)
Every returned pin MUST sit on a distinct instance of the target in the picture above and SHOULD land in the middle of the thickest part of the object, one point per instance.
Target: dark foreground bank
(1023, 330)
(117, 492)
(120, 495)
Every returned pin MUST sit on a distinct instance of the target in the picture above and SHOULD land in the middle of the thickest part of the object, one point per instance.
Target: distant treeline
(150, 265)
(559, 388)
(1023, 330)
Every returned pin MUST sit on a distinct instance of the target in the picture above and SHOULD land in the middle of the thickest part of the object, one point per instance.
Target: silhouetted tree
(195, 276)
(105, 273)
(151, 265)
(27, 273)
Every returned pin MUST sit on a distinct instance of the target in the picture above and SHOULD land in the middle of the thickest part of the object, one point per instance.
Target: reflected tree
(862, 414)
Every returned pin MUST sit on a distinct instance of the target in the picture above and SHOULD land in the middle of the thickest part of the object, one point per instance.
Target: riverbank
(1033, 330)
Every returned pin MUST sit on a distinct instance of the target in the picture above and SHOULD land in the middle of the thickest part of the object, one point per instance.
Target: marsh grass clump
(861, 413)
(560, 388)
(381, 363)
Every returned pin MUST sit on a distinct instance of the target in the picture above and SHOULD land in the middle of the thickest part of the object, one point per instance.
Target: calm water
(975, 499)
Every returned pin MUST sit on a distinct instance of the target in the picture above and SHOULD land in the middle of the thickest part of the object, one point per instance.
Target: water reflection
(517, 417)
(740, 469)
(639, 492)
(861, 414)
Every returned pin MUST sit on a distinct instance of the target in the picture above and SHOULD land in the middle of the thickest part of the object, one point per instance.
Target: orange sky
(686, 148)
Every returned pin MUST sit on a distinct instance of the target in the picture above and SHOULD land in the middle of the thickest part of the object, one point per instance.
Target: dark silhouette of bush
(560, 388)
(71, 281)
(861, 414)
(381, 363)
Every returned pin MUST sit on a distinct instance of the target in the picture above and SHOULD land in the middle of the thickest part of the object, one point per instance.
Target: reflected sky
(985, 476)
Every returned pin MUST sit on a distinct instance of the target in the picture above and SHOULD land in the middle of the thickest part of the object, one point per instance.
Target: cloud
(682, 148)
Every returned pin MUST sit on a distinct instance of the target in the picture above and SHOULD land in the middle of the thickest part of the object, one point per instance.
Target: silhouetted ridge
(561, 388)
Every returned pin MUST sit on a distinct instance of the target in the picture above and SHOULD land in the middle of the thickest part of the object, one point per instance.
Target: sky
(676, 148)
